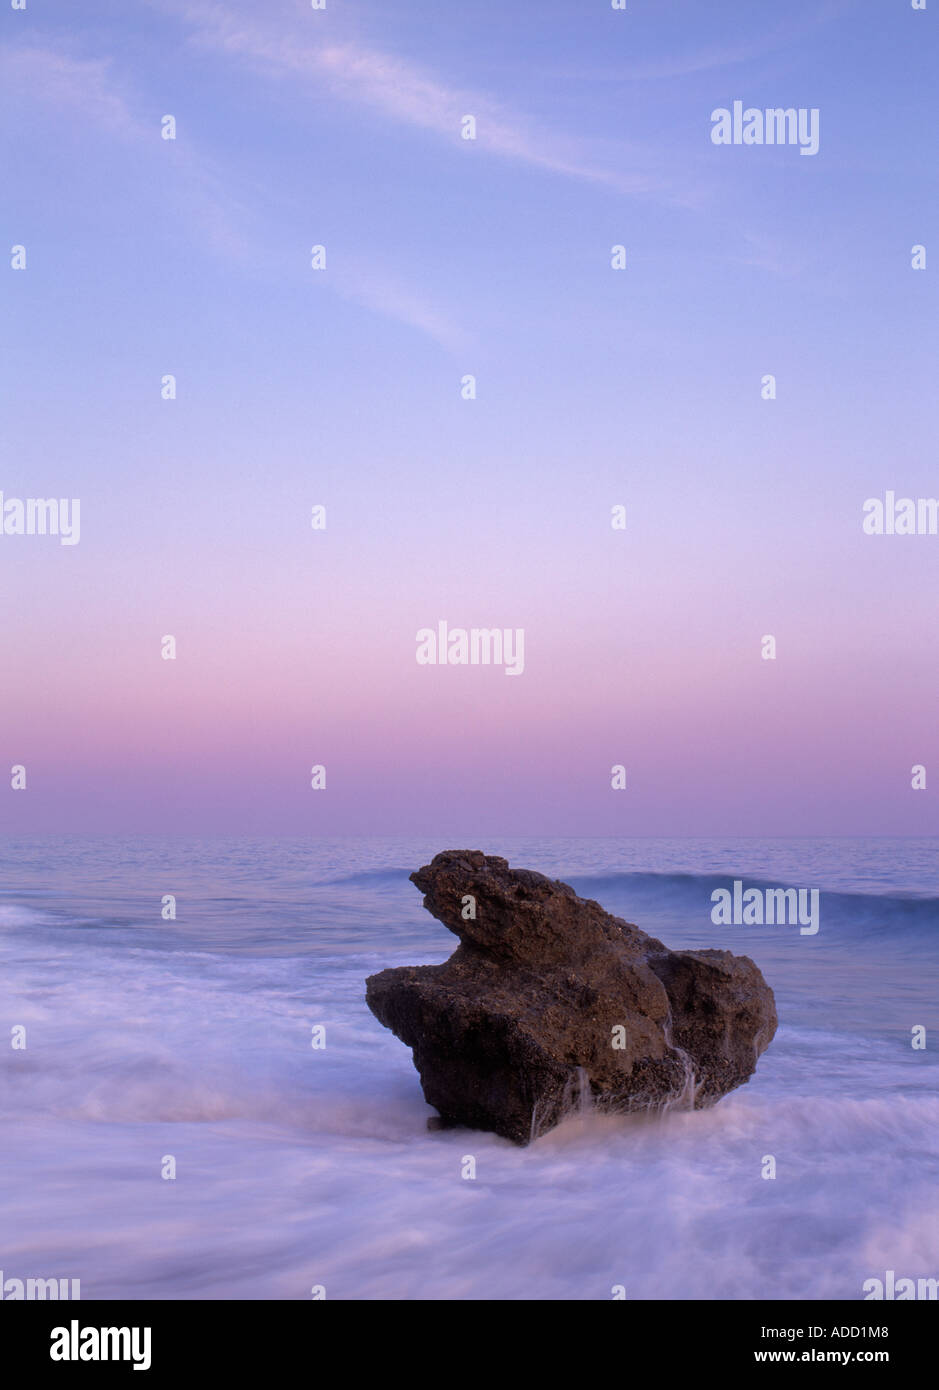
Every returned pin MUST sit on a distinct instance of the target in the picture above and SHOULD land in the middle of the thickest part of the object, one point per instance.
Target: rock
(524, 1015)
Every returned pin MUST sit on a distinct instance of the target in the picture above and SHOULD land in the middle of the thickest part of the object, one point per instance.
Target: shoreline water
(298, 1166)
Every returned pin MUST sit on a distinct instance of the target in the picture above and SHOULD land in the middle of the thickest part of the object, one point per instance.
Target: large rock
(547, 995)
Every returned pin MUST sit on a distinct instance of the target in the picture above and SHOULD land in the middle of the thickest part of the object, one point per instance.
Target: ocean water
(299, 1167)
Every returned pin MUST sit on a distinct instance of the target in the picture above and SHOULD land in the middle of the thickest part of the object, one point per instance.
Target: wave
(660, 891)
(365, 879)
(15, 915)
(641, 896)
(683, 890)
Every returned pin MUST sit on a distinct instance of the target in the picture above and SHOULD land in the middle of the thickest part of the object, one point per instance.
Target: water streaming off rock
(299, 1166)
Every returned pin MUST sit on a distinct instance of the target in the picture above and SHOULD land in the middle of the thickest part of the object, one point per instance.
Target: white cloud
(80, 86)
(404, 91)
(86, 91)
(375, 289)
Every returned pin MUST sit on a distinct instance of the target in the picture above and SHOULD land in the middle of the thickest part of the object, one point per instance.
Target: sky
(343, 387)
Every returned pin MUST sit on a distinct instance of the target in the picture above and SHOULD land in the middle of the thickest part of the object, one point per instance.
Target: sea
(203, 1107)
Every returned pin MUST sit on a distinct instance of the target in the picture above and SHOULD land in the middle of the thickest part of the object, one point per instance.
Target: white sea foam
(298, 1166)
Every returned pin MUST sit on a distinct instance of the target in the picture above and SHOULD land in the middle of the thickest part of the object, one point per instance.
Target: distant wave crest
(682, 890)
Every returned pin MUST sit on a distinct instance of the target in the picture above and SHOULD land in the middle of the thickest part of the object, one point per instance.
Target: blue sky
(490, 257)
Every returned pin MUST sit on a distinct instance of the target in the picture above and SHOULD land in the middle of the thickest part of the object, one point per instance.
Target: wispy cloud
(790, 30)
(408, 93)
(70, 84)
(89, 91)
(765, 252)
(383, 295)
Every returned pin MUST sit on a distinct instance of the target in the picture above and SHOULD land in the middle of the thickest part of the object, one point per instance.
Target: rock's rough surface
(528, 1010)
